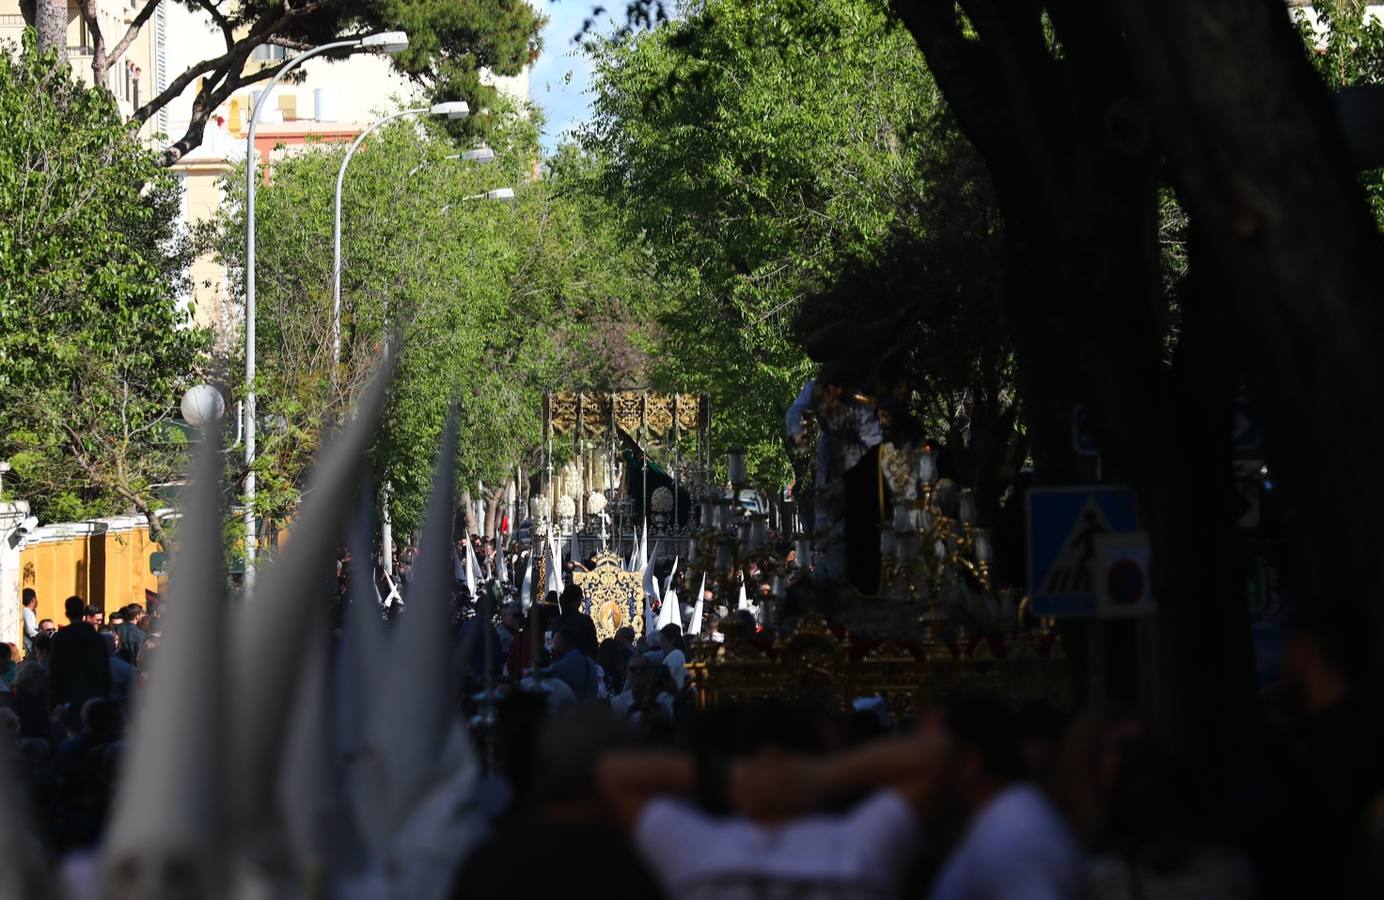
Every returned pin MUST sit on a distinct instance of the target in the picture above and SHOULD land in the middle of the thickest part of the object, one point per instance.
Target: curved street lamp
(384, 42)
(456, 109)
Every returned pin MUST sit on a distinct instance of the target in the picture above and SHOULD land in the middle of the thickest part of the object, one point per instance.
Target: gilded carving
(908, 676)
(629, 412)
(689, 412)
(658, 414)
(563, 412)
(611, 596)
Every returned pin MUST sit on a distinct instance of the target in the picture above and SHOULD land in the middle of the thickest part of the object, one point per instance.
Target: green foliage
(94, 351)
(761, 148)
(493, 303)
(1347, 48)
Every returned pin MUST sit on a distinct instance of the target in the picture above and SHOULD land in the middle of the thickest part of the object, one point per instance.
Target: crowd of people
(63, 708)
(602, 768)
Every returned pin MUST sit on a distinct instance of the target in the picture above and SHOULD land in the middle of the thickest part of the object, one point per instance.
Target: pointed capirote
(694, 627)
(169, 827)
(460, 572)
(651, 581)
(357, 664)
(474, 581)
(668, 582)
(554, 567)
(405, 735)
(269, 628)
(670, 613)
(744, 601)
(311, 788)
(526, 592)
(501, 564)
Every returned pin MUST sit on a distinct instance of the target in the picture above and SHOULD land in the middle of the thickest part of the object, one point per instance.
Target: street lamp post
(453, 110)
(385, 42)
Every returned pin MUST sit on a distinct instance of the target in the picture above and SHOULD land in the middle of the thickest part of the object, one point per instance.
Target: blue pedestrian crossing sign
(1065, 525)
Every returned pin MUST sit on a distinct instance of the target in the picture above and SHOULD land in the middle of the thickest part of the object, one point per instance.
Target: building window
(270, 53)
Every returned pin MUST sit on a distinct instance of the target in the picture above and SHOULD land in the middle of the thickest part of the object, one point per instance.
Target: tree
(450, 42)
(492, 303)
(94, 350)
(756, 148)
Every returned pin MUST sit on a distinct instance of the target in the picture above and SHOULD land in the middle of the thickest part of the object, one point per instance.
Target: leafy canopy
(760, 148)
(95, 349)
(493, 303)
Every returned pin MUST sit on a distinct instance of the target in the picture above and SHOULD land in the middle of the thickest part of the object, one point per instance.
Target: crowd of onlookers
(613, 783)
(64, 706)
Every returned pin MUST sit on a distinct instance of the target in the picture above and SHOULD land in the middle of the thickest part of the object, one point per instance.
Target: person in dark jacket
(78, 663)
(582, 627)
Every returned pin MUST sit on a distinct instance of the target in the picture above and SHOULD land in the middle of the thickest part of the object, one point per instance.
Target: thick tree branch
(133, 31)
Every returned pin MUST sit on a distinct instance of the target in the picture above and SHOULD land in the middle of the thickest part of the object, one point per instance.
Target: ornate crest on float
(611, 596)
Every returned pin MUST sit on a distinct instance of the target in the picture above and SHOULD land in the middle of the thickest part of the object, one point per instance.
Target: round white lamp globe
(202, 404)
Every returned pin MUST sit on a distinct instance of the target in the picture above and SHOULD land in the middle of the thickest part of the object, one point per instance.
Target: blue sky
(562, 75)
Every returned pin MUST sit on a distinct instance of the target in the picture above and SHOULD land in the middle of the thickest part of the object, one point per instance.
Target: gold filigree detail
(898, 466)
(658, 414)
(562, 412)
(612, 597)
(594, 415)
(629, 412)
(689, 412)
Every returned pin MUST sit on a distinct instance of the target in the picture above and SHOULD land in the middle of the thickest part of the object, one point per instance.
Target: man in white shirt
(954, 777)
(1014, 843)
(30, 620)
(771, 850)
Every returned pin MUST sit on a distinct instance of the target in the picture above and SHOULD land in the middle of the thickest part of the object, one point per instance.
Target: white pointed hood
(670, 613)
(267, 631)
(526, 592)
(694, 627)
(171, 807)
(356, 674)
(474, 581)
(554, 570)
(668, 582)
(406, 735)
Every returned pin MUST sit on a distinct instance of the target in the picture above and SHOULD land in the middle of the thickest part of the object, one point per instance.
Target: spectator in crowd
(579, 622)
(7, 667)
(131, 633)
(648, 692)
(1312, 802)
(576, 669)
(29, 699)
(511, 625)
(614, 659)
(768, 848)
(30, 601)
(562, 816)
(123, 676)
(78, 662)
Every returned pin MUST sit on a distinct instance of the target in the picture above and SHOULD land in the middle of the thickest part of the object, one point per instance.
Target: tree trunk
(50, 21)
(1073, 171)
(1262, 167)
(468, 513)
(493, 502)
